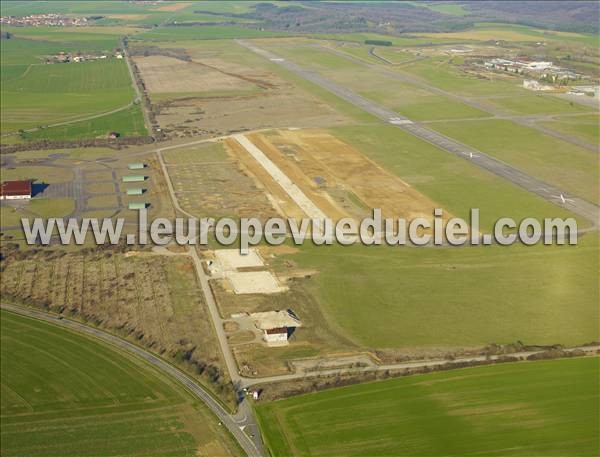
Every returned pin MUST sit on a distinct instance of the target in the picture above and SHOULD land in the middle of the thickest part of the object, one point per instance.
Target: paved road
(590, 350)
(547, 191)
(244, 416)
(231, 422)
(481, 105)
(138, 95)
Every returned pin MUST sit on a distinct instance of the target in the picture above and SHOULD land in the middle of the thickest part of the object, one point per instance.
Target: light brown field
(172, 7)
(210, 181)
(341, 181)
(218, 93)
(170, 75)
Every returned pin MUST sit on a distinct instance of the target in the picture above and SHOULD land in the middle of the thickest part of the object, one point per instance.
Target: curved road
(233, 423)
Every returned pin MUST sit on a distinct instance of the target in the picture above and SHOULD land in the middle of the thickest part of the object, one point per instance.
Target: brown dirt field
(212, 182)
(307, 154)
(167, 74)
(274, 192)
(172, 7)
(223, 114)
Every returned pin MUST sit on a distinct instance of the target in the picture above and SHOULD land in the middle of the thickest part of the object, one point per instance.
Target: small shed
(113, 135)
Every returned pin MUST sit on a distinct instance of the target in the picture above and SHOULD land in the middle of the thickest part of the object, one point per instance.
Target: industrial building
(277, 326)
(15, 190)
(135, 191)
(136, 166)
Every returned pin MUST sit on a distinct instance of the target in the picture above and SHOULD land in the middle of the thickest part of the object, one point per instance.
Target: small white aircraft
(471, 155)
(564, 200)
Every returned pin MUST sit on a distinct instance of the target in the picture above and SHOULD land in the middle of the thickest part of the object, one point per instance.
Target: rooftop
(16, 188)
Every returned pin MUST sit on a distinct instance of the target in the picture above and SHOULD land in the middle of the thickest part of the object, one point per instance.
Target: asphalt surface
(473, 102)
(244, 416)
(233, 423)
(547, 191)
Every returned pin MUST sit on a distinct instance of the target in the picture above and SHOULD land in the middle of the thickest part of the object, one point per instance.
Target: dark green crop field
(68, 395)
(547, 408)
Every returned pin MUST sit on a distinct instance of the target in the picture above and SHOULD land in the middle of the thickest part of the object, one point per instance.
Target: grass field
(554, 161)
(586, 127)
(454, 183)
(127, 122)
(35, 94)
(208, 32)
(545, 408)
(68, 395)
(48, 94)
(384, 297)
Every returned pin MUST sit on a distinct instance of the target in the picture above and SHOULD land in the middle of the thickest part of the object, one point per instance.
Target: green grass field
(554, 161)
(586, 127)
(547, 408)
(209, 32)
(127, 122)
(454, 183)
(68, 395)
(35, 94)
(406, 297)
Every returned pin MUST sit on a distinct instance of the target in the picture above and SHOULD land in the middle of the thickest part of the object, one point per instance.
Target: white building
(277, 326)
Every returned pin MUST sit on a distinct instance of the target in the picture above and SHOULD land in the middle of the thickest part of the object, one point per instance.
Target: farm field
(35, 94)
(149, 298)
(72, 395)
(229, 89)
(128, 121)
(408, 298)
(510, 409)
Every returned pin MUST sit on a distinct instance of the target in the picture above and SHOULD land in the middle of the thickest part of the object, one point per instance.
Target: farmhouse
(15, 190)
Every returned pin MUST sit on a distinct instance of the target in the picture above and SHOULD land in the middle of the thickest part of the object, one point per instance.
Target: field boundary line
(172, 372)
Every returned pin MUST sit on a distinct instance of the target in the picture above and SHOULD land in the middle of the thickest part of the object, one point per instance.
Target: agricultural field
(510, 409)
(72, 395)
(79, 98)
(149, 297)
(227, 89)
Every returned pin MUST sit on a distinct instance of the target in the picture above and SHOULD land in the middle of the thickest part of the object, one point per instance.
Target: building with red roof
(15, 190)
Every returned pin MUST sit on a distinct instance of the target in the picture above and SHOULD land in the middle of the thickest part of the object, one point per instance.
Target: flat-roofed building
(15, 190)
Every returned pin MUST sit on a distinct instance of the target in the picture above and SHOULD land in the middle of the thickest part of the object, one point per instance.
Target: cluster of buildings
(540, 70)
(67, 57)
(137, 166)
(37, 20)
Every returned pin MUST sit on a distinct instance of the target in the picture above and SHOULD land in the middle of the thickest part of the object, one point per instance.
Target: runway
(549, 192)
